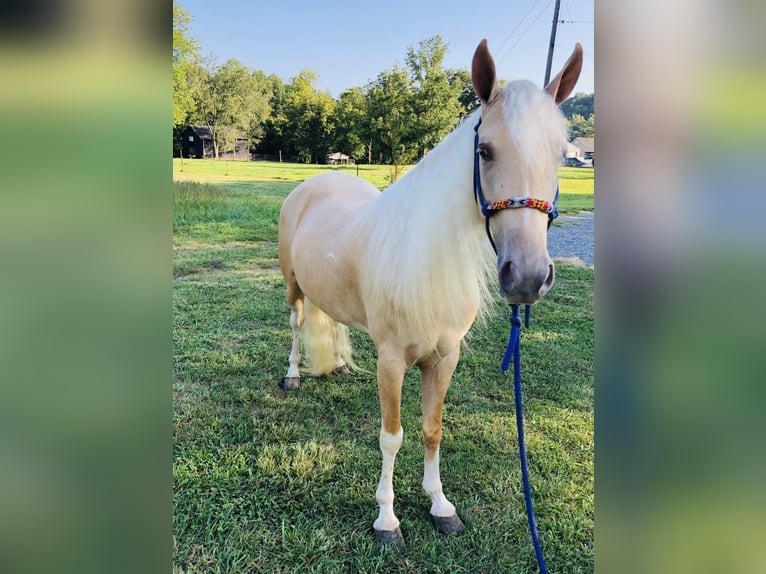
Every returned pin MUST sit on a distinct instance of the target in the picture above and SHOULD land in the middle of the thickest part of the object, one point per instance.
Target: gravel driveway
(572, 236)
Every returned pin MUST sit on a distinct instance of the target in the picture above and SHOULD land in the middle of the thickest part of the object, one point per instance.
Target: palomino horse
(409, 266)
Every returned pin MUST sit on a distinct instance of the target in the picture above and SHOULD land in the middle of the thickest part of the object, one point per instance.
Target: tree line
(579, 113)
(394, 119)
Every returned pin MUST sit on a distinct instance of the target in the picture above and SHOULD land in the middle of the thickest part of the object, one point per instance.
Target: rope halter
(489, 209)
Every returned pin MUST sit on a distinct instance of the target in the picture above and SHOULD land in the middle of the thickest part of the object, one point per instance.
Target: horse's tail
(325, 342)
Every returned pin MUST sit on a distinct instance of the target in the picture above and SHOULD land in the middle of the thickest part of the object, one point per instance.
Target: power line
(525, 31)
(508, 37)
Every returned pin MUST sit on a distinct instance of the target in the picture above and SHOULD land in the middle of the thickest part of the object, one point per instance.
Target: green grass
(273, 482)
(575, 184)
(222, 171)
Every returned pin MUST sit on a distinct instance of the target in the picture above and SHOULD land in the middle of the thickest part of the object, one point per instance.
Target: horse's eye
(485, 153)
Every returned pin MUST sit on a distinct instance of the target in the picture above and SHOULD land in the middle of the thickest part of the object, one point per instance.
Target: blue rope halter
(513, 350)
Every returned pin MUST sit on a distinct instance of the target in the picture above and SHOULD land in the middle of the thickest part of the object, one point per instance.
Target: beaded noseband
(489, 209)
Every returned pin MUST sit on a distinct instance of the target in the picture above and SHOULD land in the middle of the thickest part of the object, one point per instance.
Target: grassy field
(575, 184)
(272, 482)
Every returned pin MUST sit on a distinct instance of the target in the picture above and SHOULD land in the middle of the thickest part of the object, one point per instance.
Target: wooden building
(338, 158)
(197, 143)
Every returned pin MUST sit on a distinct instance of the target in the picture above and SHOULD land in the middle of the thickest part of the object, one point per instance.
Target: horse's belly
(330, 280)
(327, 245)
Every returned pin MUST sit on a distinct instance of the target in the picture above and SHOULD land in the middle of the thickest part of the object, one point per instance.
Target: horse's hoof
(448, 524)
(344, 370)
(291, 383)
(392, 538)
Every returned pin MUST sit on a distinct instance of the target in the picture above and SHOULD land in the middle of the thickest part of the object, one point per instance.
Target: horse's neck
(435, 198)
(426, 249)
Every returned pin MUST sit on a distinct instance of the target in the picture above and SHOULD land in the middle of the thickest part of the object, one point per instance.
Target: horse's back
(335, 195)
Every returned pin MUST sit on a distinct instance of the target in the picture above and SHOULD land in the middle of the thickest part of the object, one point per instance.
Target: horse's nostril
(504, 276)
(549, 279)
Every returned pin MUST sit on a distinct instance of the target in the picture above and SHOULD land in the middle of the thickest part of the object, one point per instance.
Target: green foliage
(581, 104)
(579, 112)
(580, 127)
(436, 107)
(463, 83)
(231, 100)
(185, 53)
(271, 482)
(309, 115)
(352, 126)
(389, 104)
(274, 124)
(302, 122)
(411, 109)
(393, 120)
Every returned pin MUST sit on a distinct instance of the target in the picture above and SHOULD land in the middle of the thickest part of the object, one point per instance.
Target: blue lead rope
(514, 351)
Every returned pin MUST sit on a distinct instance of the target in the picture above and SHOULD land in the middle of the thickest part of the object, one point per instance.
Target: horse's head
(520, 143)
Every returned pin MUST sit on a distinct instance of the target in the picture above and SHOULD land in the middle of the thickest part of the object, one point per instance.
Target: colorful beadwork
(513, 202)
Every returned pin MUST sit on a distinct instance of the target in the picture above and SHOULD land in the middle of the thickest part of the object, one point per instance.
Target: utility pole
(553, 42)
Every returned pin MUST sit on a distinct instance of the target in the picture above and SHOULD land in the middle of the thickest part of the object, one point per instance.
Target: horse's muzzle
(524, 284)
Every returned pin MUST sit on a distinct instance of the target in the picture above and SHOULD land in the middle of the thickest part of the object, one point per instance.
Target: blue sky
(349, 43)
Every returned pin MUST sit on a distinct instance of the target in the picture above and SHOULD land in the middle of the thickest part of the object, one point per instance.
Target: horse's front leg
(434, 384)
(391, 368)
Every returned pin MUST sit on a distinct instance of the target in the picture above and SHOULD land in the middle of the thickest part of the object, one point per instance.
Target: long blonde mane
(430, 251)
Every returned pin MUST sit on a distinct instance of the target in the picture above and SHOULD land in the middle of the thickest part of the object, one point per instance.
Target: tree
(581, 103)
(351, 123)
(231, 101)
(390, 106)
(185, 54)
(262, 87)
(580, 127)
(273, 140)
(436, 107)
(309, 115)
(578, 110)
(463, 84)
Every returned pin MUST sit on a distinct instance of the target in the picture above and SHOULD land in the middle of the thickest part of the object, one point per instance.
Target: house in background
(338, 158)
(197, 143)
(581, 149)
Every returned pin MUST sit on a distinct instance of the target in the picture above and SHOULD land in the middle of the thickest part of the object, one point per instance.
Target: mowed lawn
(575, 184)
(266, 481)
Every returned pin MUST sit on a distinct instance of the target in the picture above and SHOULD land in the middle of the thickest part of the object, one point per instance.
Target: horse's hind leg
(292, 380)
(341, 348)
(434, 383)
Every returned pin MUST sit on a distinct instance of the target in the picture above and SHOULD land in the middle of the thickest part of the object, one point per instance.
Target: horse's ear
(483, 73)
(562, 85)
